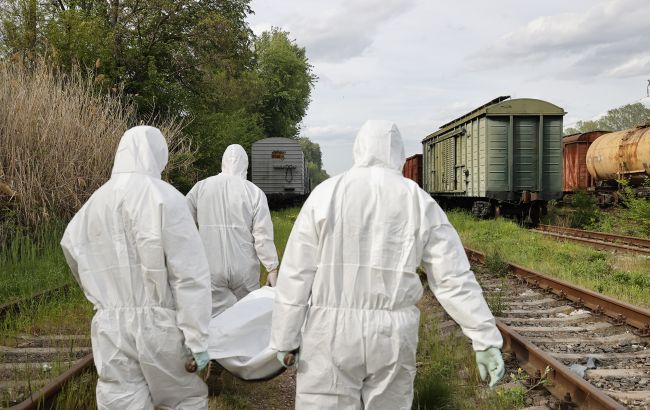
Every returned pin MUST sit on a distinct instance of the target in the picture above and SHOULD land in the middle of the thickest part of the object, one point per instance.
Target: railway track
(34, 368)
(547, 322)
(598, 240)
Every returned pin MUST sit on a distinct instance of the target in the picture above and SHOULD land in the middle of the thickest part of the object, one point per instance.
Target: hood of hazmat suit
(235, 225)
(239, 337)
(349, 276)
(136, 253)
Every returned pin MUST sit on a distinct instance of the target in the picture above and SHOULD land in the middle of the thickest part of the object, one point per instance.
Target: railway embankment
(621, 276)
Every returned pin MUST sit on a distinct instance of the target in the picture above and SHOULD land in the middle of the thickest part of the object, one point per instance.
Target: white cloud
(338, 30)
(637, 65)
(590, 42)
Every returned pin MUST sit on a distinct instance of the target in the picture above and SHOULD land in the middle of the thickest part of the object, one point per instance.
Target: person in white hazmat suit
(135, 250)
(235, 225)
(354, 250)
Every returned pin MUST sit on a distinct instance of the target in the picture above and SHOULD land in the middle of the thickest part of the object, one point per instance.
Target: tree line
(616, 119)
(197, 61)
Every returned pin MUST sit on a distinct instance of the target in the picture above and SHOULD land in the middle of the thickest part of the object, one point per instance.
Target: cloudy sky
(421, 63)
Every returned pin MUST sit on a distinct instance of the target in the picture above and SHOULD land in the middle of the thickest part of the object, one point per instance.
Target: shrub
(585, 209)
(58, 135)
(637, 209)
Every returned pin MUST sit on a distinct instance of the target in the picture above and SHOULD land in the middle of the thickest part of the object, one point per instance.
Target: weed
(495, 263)
(496, 302)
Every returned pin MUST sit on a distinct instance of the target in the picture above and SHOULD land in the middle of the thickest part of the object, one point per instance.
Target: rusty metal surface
(622, 154)
(601, 240)
(42, 399)
(620, 312)
(563, 381)
(413, 168)
(575, 175)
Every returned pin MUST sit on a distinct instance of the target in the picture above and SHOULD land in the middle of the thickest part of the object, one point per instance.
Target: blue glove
(201, 359)
(490, 362)
(282, 356)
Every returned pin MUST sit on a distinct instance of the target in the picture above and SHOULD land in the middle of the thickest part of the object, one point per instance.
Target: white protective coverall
(236, 228)
(136, 252)
(354, 250)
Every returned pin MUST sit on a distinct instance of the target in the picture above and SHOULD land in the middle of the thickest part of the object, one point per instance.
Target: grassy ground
(446, 378)
(622, 277)
(29, 264)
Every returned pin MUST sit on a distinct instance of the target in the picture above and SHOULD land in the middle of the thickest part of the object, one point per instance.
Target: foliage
(287, 78)
(616, 119)
(586, 210)
(173, 58)
(313, 156)
(637, 209)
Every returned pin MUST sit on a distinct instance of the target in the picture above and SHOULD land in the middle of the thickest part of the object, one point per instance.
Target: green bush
(586, 210)
(637, 209)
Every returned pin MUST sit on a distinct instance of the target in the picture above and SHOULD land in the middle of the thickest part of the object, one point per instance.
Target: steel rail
(571, 389)
(599, 239)
(620, 312)
(43, 398)
(14, 306)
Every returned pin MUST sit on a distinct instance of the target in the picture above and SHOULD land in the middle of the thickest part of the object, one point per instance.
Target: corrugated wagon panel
(498, 153)
(483, 164)
(552, 158)
(278, 166)
(525, 153)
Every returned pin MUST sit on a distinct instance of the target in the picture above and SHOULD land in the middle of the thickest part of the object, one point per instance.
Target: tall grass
(58, 135)
(32, 261)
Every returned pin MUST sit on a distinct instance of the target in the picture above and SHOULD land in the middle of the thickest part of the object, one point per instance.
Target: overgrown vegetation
(630, 216)
(196, 60)
(598, 270)
(58, 136)
(636, 209)
(31, 262)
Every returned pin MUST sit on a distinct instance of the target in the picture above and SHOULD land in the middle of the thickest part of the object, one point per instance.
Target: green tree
(287, 78)
(313, 157)
(616, 119)
(198, 60)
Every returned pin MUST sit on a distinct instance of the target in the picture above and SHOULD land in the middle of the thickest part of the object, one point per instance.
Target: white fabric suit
(136, 252)
(236, 228)
(354, 250)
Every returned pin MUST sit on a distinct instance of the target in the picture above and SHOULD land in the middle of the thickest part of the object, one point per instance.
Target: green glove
(490, 362)
(201, 359)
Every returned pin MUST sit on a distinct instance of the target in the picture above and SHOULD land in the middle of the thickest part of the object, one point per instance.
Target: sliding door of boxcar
(526, 154)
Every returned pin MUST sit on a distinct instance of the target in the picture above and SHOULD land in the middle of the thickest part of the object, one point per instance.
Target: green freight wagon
(502, 158)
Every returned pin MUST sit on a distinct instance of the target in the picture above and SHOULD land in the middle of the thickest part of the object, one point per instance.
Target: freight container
(575, 146)
(502, 157)
(413, 168)
(278, 167)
